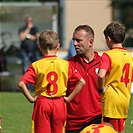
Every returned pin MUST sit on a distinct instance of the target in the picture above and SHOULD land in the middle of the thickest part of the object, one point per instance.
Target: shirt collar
(119, 48)
(95, 54)
(49, 56)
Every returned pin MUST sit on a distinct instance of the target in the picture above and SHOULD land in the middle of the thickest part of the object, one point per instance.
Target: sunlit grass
(16, 113)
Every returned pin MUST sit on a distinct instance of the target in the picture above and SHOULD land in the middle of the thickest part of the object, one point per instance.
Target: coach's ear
(91, 41)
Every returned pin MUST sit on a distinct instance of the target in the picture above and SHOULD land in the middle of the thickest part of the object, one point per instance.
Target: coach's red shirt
(87, 104)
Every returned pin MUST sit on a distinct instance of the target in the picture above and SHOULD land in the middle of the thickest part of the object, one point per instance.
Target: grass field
(16, 113)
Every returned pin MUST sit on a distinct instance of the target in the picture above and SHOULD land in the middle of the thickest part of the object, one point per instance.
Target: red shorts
(118, 124)
(49, 115)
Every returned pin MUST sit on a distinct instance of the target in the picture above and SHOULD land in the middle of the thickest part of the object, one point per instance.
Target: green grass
(16, 113)
(129, 121)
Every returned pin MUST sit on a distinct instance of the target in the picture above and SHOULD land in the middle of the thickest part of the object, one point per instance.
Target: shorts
(118, 124)
(49, 115)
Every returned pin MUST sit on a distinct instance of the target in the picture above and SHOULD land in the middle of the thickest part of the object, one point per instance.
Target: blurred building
(96, 13)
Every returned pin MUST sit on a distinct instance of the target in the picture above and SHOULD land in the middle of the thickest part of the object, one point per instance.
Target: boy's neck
(49, 52)
(117, 45)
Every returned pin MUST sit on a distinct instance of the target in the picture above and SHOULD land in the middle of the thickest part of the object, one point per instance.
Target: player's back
(120, 74)
(52, 76)
(118, 80)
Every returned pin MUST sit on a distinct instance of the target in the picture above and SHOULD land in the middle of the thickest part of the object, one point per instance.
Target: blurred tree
(123, 12)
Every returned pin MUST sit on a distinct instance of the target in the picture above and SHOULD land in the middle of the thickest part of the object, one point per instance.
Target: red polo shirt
(87, 104)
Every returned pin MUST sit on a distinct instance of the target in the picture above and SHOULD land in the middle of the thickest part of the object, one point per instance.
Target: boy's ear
(109, 39)
(58, 46)
(40, 48)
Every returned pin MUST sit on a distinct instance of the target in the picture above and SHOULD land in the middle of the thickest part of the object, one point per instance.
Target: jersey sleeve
(73, 75)
(105, 62)
(30, 76)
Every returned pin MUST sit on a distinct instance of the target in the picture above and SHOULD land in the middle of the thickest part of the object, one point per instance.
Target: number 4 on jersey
(125, 74)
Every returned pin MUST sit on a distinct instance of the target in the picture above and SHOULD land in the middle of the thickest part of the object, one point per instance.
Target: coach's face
(81, 42)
